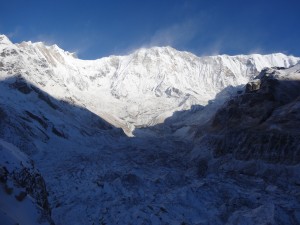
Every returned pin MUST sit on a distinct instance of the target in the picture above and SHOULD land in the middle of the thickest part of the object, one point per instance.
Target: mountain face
(155, 137)
(263, 122)
(141, 89)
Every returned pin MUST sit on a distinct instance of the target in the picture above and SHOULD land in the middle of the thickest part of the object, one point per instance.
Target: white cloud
(46, 39)
(257, 50)
(177, 34)
(213, 48)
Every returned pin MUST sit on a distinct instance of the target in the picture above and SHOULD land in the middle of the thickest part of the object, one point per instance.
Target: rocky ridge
(262, 123)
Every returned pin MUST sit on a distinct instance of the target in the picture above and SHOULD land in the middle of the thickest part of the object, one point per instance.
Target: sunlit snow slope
(139, 89)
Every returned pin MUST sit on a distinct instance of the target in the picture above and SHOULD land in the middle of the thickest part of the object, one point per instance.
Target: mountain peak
(4, 40)
(155, 50)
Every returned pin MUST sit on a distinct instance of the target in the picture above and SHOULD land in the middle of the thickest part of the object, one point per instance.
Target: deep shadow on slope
(191, 119)
(262, 123)
(28, 113)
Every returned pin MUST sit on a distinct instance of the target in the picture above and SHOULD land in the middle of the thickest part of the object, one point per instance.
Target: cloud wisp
(175, 35)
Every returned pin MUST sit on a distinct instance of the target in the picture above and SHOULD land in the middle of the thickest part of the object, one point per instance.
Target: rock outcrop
(21, 182)
(263, 122)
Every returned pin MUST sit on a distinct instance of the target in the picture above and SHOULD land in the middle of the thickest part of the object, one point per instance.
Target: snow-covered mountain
(140, 89)
(262, 122)
(64, 114)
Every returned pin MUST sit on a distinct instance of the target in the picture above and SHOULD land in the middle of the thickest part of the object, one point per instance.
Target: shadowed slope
(29, 114)
(262, 123)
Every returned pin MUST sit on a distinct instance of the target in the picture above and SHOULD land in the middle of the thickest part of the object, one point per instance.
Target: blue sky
(100, 28)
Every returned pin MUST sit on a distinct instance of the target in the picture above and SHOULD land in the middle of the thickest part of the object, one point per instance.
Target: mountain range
(158, 136)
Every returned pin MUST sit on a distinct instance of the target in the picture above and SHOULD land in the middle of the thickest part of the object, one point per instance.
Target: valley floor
(148, 181)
